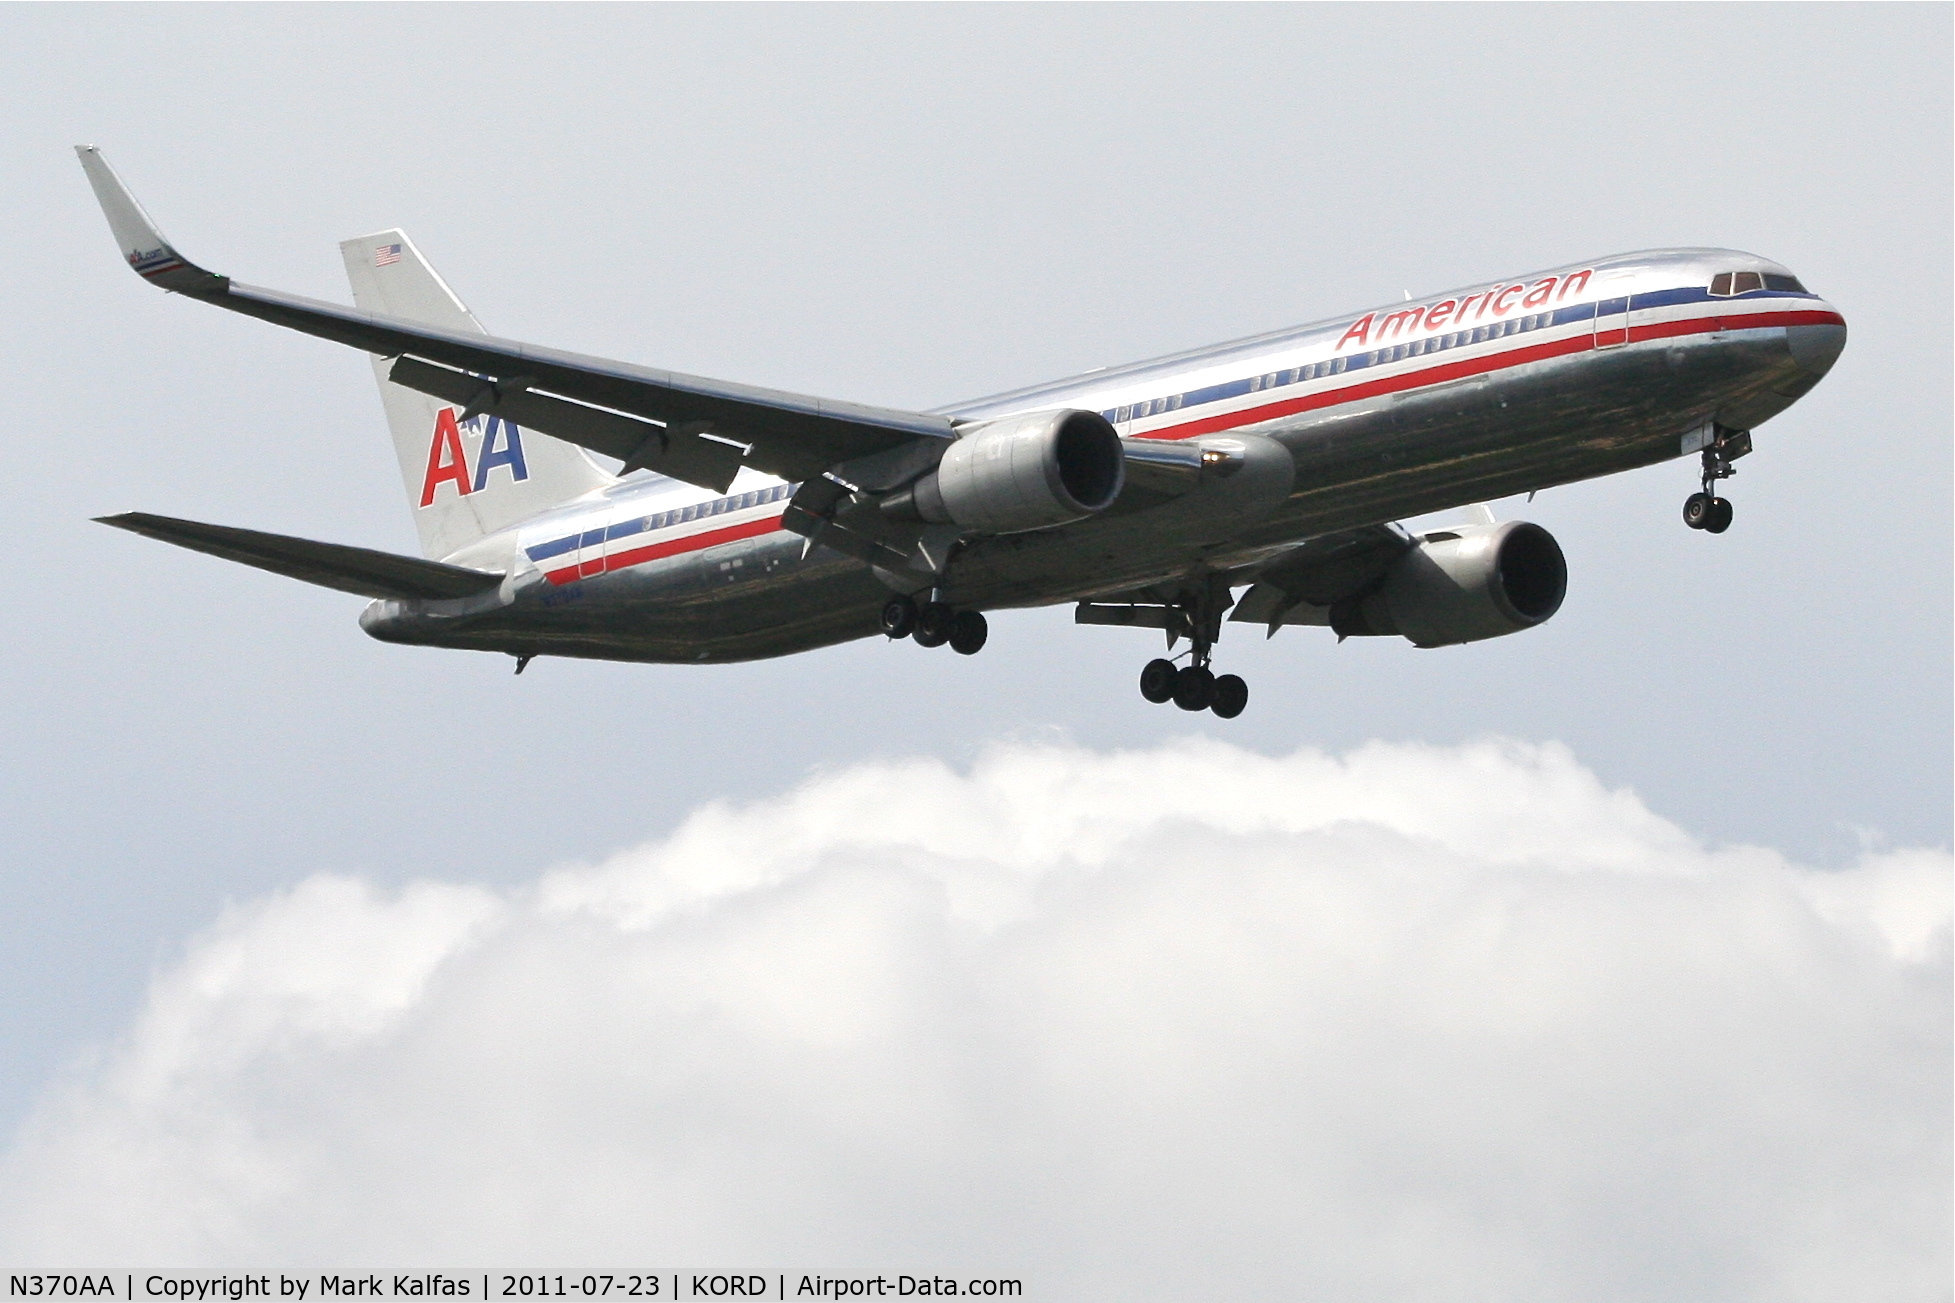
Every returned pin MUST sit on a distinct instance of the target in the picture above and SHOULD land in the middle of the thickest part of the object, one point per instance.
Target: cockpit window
(1736, 282)
(1726, 284)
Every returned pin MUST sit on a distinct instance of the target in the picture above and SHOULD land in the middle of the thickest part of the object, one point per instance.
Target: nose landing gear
(1708, 513)
(1704, 509)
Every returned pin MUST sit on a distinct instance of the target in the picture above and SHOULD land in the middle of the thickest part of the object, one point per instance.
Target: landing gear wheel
(898, 617)
(1157, 681)
(1704, 509)
(1194, 687)
(968, 631)
(1697, 510)
(933, 625)
(1229, 696)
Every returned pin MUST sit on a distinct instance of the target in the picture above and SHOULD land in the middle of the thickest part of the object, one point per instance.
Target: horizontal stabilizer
(331, 565)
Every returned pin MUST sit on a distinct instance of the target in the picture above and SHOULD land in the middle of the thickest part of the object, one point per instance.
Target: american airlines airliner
(1256, 481)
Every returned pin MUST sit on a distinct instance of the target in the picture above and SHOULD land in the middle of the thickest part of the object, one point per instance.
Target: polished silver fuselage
(1335, 429)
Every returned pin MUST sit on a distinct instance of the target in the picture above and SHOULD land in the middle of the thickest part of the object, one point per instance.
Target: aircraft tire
(898, 617)
(1720, 516)
(1230, 696)
(1194, 687)
(1697, 510)
(968, 630)
(1157, 681)
(933, 625)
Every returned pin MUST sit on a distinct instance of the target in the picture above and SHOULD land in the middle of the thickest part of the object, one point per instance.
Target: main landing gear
(1195, 686)
(1704, 509)
(933, 624)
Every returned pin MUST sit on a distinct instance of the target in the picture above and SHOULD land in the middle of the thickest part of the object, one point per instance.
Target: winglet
(142, 245)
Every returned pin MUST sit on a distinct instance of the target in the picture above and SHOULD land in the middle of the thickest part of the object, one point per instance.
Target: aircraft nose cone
(1816, 348)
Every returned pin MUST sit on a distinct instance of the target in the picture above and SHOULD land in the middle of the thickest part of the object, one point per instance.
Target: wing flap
(360, 570)
(1301, 585)
(684, 453)
(787, 435)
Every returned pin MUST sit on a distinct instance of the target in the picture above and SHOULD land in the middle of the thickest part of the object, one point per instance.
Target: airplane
(1257, 481)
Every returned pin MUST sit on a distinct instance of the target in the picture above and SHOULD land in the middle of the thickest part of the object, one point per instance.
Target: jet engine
(1022, 472)
(1463, 585)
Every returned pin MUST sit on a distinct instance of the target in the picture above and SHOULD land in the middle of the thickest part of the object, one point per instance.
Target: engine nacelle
(1463, 585)
(1024, 472)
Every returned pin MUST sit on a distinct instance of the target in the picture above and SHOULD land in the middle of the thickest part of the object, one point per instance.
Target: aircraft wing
(692, 428)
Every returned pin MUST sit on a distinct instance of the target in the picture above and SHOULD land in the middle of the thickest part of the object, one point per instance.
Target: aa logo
(502, 445)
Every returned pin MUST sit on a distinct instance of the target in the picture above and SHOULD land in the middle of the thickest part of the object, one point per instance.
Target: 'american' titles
(1450, 313)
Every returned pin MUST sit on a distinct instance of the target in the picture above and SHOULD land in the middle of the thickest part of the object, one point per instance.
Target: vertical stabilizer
(465, 478)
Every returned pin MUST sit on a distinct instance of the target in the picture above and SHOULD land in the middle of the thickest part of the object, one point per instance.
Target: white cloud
(1434, 1023)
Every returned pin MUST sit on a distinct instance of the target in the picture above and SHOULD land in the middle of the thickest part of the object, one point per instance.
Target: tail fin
(466, 475)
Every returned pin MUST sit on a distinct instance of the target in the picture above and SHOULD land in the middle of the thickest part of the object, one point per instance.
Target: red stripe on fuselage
(1747, 321)
(638, 556)
(1468, 367)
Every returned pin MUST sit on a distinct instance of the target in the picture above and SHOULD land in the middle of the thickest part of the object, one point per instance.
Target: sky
(211, 771)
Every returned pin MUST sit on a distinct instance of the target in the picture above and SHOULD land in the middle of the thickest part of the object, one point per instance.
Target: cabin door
(1612, 322)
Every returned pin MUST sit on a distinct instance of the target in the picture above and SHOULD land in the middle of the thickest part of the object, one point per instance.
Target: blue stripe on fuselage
(659, 520)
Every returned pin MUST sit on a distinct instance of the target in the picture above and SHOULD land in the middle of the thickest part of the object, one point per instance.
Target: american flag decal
(386, 253)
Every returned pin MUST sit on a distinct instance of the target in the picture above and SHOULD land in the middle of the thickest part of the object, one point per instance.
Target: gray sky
(910, 206)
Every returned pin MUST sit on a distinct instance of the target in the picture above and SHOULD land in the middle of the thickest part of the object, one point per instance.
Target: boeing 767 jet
(1256, 481)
